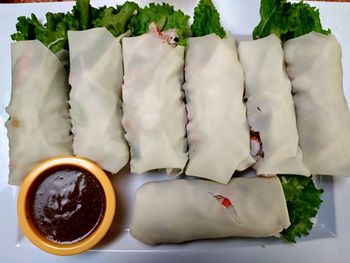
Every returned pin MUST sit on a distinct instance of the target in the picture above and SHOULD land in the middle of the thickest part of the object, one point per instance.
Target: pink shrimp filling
(256, 148)
(168, 36)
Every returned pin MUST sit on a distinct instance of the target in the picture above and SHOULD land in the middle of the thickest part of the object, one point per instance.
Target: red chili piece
(226, 202)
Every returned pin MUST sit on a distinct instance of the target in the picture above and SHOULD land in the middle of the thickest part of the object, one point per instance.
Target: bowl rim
(30, 230)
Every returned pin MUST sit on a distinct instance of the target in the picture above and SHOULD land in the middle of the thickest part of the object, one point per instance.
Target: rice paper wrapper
(182, 210)
(218, 131)
(96, 77)
(323, 119)
(270, 107)
(39, 124)
(154, 112)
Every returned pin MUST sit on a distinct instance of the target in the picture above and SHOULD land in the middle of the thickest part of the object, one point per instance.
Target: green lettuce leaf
(25, 29)
(116, 20)
(53, 33)
(165, 17)
(303, 201)
(206, 20)
(85, 14)
(287, 20)
(81, 12)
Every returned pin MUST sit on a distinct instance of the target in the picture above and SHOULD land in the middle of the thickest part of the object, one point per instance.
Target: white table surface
(239, 17)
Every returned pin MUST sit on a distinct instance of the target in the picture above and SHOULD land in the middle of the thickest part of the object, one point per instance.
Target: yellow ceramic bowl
(32, 232)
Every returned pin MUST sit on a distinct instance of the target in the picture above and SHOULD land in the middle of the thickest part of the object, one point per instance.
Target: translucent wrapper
(218, 131)
(39, 125)
(182, 210)
(96, 77)
(323, 118)
(154, 112)
(270, 107)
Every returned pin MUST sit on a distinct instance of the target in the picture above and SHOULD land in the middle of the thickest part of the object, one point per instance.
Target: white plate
(330, 238)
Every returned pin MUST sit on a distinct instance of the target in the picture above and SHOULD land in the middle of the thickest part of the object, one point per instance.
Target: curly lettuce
(116, 20)
(53, 33)
(303, 201)
(287, 20)
(206, 20)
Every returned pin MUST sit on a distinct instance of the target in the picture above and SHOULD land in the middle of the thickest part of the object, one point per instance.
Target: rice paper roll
(270, 108)
(96, 77)
(182, 210)
(39, 125)
(218, 131)
(323, 120)
(154, 112)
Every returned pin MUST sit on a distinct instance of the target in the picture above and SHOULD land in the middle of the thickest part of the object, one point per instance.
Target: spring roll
(218, 131)
(39, 125)
(323, 119)
(154, 112)
(182, 210)
(96, 76)
(270, 108)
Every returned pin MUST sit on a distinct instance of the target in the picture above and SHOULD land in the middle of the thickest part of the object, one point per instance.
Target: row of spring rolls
(218, 123)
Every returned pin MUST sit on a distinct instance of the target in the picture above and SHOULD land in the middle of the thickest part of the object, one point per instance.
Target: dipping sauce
(66, 205)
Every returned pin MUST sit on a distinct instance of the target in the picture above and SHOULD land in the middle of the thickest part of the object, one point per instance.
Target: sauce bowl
(24, 214)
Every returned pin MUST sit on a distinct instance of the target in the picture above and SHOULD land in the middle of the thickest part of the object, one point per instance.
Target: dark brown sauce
(66, 205)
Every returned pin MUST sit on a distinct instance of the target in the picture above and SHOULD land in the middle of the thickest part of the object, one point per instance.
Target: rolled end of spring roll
(154, 111)
(218, 131)
(182, 210)
(270, 108)
(323, 119)
(39, 125)
(96, 77)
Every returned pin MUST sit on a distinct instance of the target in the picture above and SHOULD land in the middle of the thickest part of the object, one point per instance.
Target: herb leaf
(206, 20)
(116, 20)
(287, 20)
(303, 201)
(53, 33)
